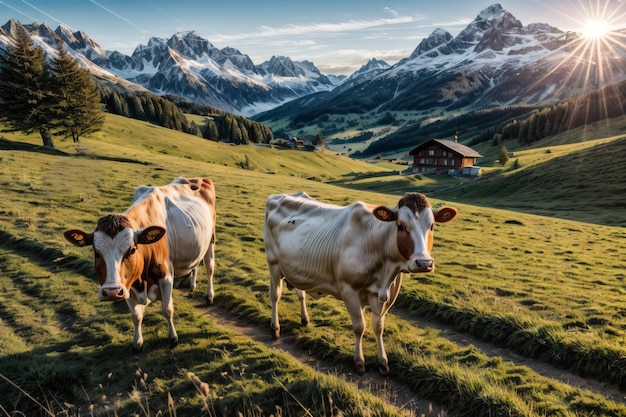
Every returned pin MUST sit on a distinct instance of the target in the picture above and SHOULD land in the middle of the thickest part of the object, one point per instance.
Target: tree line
(169, 111)
(225, 126)
(147, 107)
(602, 104)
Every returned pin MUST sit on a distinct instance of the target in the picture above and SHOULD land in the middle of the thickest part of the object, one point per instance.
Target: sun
(593, 52)
(596, 29)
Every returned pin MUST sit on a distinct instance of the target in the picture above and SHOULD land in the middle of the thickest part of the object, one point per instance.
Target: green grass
(544, 287)
(564, 176)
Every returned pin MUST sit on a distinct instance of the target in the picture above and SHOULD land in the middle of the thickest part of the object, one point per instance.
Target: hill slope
(547, 289)
(584, 181)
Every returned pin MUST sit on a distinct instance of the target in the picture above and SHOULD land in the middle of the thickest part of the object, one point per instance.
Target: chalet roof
(463, 150)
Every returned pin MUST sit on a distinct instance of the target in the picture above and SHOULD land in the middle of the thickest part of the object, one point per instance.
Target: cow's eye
(401, 227)
(131, 251)
(96, 254)
(432, 227)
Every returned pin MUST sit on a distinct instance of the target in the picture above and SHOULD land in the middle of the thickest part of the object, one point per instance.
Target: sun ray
(590, 58)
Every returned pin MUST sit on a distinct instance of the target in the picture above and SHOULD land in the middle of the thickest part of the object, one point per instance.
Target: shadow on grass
(10, 145)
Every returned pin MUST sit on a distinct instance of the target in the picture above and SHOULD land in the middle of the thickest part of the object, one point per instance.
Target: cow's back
(186, 208)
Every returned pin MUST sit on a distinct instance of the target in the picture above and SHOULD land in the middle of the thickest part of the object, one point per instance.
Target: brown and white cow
(355, 253)
(165, 233)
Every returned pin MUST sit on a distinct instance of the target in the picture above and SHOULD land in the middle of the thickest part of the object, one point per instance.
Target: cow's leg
(166, 286)
(378, 324)
(209, 263)
(379, 311)
(136, 311)
(355, 309)
(276, 288)
(304, 314)
(193, 277)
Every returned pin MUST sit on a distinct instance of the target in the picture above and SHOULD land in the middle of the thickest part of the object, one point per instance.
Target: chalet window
(452, 162)
(422, 161)
(431, 152)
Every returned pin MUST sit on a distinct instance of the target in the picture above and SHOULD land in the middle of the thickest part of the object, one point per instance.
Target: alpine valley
(494, 71)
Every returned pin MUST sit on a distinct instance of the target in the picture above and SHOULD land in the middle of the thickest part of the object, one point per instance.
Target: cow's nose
(112, 293)
(425, 264)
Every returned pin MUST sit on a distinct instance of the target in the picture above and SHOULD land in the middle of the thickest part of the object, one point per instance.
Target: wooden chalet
(442, 155)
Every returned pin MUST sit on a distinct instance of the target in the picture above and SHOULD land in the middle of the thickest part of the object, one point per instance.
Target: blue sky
(337, 36)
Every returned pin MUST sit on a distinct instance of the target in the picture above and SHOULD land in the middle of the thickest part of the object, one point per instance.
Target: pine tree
(503, 155)
(319, 141)
(211, 131)
(77, 98)
(25, 98)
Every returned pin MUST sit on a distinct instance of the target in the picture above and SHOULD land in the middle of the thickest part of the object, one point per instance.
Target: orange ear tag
(153, 234)
(383, 214)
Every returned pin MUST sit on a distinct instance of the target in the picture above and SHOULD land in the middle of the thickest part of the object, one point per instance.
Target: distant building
(442, 155)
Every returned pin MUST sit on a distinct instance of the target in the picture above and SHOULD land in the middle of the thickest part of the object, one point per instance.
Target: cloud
(391, 12)
(316, 28)
(460, 22)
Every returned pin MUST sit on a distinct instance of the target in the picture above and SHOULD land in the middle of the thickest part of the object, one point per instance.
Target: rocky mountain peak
(10, 27)
(80, 41)
(493, 20)
(438, 38)
(373, 65)
(190, 45)
(282, 66)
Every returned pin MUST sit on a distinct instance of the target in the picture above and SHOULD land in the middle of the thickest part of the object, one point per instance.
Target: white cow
(165, 233)
(355, 253)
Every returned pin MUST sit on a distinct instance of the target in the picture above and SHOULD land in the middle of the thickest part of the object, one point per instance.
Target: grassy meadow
(548, 288)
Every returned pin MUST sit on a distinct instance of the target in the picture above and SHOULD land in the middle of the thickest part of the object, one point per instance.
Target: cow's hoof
(360, 369)
(275, 334)
(173, 343)
(136, 351)
(209, 301)
(383, 369)
(304, 322)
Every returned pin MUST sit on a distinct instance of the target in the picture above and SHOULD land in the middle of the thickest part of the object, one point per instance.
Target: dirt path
(393, 391)
(371, 381)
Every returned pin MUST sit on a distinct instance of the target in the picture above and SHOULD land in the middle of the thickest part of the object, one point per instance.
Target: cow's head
(117, 259)
(415, 220)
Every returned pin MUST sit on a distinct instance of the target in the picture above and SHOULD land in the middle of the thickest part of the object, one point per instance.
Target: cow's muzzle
(423, 265)
(113, 293)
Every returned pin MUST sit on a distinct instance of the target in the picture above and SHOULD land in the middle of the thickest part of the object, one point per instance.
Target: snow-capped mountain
(369, 70)
(502, 58)
(191, 67)
(495, 61)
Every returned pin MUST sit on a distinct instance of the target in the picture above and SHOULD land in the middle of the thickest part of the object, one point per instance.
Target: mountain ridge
(494, 62)
(191, 67)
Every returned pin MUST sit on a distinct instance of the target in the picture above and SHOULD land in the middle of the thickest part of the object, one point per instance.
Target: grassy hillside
(543, 288)
(563, 176)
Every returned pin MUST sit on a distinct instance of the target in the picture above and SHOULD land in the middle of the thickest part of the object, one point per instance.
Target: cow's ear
(79, 238)
(385, 214)
(150, 234)
(445, 214)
